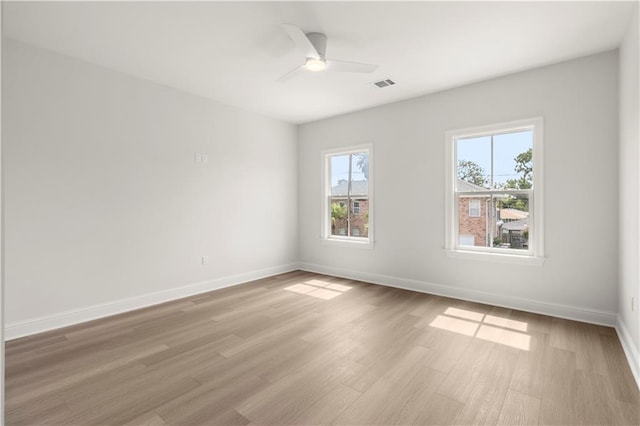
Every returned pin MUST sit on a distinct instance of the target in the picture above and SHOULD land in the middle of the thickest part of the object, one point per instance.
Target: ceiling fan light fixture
(315, 65)
(314, 47)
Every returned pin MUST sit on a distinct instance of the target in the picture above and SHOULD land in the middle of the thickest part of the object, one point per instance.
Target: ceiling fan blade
(342, 66)
(301, 40)
(291, 74)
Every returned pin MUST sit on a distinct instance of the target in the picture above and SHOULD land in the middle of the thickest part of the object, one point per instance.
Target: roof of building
(358, 188)
(516, 225)
(513, 214)
(463, 186)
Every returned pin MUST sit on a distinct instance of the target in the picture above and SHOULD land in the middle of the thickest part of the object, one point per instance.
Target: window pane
(359, 184)
(360, 218)
(339, 215)
(339, 174)
(360, 166)
(474, 227)
(513, 221)
(503, 221)
(349, 198)
(473, 163)
(512, 160)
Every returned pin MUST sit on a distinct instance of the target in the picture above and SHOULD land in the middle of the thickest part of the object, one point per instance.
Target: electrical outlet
(205, 260)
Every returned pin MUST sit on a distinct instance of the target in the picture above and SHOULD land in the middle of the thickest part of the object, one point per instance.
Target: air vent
(384, 83)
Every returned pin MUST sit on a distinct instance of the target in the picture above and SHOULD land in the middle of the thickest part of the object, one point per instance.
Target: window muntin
(347, 207)
(494, 167)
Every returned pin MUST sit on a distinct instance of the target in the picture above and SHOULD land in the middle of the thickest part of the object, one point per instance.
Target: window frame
(535, 252)
(326, 236)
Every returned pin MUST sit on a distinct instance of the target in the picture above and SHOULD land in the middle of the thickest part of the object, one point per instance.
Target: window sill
(495, 257)
(362, 243)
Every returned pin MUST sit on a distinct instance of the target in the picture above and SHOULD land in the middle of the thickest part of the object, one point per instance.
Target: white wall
(578, 100)
(629, 320)
(106, 208)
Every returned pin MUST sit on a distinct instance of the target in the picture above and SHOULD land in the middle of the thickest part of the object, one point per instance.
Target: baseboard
(76, 316)
(37, 325)
(630, 349)
(576, 313)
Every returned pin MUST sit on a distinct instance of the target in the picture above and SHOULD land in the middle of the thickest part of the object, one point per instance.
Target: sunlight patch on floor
(505, 323)
(486, 327)
(467, 328)
(463, 313)
(504, 337)
(319, 289)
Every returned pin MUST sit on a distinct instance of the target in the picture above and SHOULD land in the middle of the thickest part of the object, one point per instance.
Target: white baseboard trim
(576, 313)
(76, 316)
(630, 350)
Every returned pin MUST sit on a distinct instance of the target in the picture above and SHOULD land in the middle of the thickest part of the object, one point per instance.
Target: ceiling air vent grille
(384, 83)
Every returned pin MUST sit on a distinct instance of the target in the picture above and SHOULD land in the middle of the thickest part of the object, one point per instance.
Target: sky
(506, 148)
(340, 169)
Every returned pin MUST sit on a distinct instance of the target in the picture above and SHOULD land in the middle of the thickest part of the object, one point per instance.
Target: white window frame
(347, 241)
(479, 208)
(354, 207)
(534, 255)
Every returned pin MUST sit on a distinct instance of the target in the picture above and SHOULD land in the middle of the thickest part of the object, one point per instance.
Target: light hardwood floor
(302, 348)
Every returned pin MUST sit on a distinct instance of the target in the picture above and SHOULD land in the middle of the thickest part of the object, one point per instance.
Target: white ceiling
(235, 52)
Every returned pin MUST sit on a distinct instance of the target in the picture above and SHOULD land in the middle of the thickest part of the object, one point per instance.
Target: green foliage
(524, 165)
(518, 202)
(472, 172)
(520, 183)
(338, 212)
(497, 241)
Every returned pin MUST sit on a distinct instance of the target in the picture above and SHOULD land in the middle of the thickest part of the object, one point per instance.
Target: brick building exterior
(473, 220)
(476, 213)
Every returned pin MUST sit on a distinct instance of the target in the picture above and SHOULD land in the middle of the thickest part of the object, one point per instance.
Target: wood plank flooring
(303, 348)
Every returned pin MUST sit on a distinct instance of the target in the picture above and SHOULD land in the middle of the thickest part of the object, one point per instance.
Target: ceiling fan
(314, 46)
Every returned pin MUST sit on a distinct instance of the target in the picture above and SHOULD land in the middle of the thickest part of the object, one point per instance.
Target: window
(494, 190)
(467, 240)
(347, 207)
(474, 208)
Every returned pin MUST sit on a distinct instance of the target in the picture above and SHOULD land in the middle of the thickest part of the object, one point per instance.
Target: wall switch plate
(205, 260)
